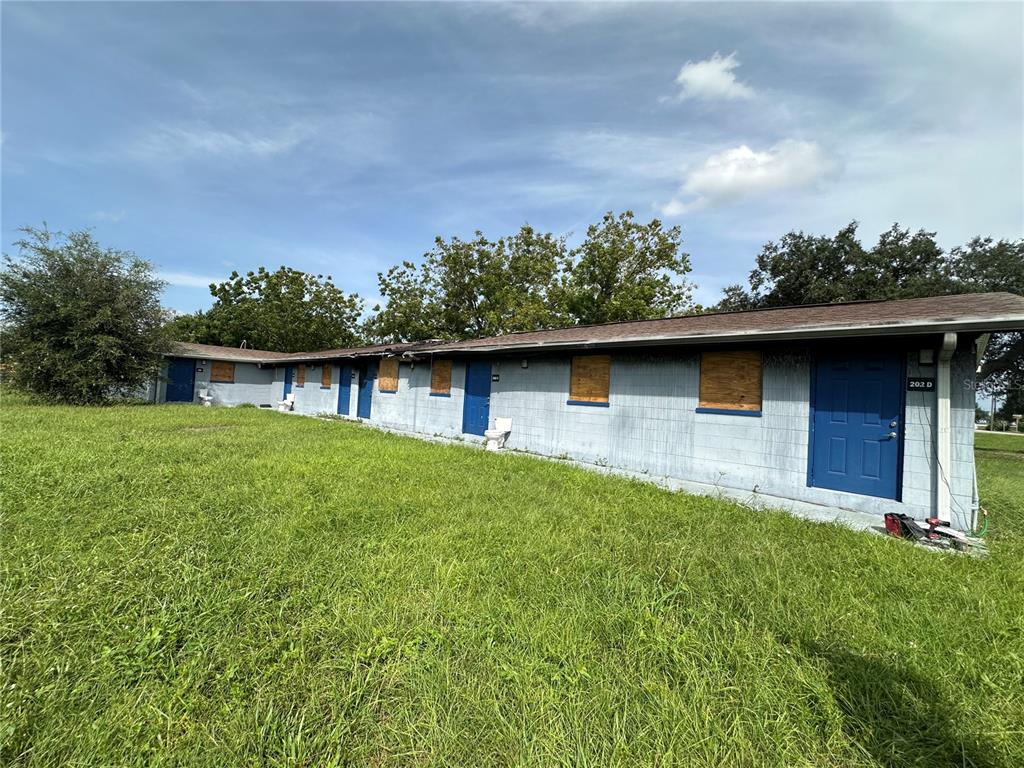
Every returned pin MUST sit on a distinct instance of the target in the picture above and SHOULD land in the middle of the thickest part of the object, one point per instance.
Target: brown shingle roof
(977, 312)
(213, 352)
(370, 351)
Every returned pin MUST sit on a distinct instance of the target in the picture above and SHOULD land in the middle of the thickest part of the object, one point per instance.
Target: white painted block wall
(651, 425)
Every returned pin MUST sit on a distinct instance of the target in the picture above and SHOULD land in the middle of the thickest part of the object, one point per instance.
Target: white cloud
(712, 79)
(176, 141)
(111, 216)
(187, 279)
(742, 172)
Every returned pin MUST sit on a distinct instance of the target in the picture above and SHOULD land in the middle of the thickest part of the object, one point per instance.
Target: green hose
(980, 532)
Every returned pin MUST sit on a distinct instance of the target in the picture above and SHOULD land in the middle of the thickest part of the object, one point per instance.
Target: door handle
(892, 435)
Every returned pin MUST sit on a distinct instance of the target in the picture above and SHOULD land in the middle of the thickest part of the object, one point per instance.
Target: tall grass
(193, 586)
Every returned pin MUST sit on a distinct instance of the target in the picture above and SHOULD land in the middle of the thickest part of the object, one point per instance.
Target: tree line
(81, 322)
(623, 270)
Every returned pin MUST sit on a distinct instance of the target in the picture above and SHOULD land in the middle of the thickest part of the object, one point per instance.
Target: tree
(469, 288)
(799, 269)
(1012, 406)
(626, 270)
(282, 311)
(812, 269)
(987, 265)
(81, 323)
(805, 269)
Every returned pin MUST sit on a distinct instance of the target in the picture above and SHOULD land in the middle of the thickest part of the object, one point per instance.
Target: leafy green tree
(815, 269)
(467, 288)
(806, 269)
(1012, 406)
(985, 265)
(81, 323)
(626, 270)
(410, 312)
(282, 311)
(623, 270)
(798, 269)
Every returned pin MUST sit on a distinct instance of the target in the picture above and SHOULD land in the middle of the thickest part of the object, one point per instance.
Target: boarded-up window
(591, 376)
(224, 372)
(731, 381)
(387, 377)
(441, 377)
(325, 377)
(300, 376)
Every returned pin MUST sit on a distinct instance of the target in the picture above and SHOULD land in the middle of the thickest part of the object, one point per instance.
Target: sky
(341, 138)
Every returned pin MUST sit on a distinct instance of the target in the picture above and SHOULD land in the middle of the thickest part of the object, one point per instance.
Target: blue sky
(341, 138)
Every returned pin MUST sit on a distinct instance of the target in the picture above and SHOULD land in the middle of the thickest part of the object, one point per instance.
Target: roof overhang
(798, 334)
(406, 354)
(227, 358)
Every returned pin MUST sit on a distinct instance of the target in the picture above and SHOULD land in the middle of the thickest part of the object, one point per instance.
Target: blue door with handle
(181, 380)
(857, 423)
(344, 390)
(289, 374)
(476, 405)
(367, 375)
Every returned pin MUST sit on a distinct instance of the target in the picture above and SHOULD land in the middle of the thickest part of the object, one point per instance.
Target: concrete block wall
(439, 415)
(919, 466)
(414, 409)
(311, 398)
(252, 384)
(651, 426)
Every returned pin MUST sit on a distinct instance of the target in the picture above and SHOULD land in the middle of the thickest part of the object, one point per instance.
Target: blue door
(344, 389)
(367, 375)
(181, 380)
(857, 430)
(476, 404)
(289, 374)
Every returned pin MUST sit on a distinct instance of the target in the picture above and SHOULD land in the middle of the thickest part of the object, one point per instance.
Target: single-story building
(867, 406)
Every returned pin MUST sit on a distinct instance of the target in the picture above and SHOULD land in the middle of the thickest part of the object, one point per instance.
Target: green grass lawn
(1000, 459)
(193, 586)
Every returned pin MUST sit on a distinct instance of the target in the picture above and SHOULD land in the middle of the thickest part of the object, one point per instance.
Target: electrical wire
(942, 470)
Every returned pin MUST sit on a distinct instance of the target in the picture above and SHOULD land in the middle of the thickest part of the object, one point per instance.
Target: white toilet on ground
(496, 437)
